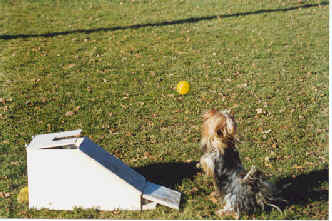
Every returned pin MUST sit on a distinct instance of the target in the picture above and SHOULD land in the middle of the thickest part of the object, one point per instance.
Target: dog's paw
(230, 213)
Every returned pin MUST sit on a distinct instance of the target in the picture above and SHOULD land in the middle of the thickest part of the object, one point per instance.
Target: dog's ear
(230, 122)
(206, 115)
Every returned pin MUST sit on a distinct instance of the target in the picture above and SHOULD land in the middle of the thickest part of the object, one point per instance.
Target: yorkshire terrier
(239, 190)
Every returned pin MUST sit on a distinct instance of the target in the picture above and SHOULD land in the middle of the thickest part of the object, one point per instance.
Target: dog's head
(218, 130)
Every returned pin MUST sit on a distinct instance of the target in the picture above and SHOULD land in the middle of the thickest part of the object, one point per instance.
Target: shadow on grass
(305, 188)
(168, 174)
(159, 24)
(300, 190)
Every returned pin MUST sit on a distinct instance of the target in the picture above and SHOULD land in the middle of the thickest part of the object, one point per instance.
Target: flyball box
(66, 171)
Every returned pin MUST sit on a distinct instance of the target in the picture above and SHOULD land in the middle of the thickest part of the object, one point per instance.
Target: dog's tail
(267, 194)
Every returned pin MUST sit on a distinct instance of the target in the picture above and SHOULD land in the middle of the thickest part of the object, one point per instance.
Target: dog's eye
(219, 133)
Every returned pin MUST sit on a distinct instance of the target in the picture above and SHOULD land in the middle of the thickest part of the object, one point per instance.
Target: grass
(111, 68)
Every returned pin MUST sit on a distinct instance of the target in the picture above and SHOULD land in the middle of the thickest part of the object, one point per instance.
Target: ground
(111, 68)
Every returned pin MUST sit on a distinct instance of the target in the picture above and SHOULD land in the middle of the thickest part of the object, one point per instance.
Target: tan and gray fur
(240, 191)
(217, 132)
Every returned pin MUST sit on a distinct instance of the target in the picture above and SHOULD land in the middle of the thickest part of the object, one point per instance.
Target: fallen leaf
(259, 111)
(242, 85)
(49, 127)
(213, 197)
(15, 163)
(267, 159)
(298, 167)
(112, 130)
(194, 190)
(154, 115)
(147, 155)
(273, 155)
(116, 212)
(4, 195)
(247, 159)
(235, 106)
(267, 131)
(77, 108)
(23, 195)
(69, 66)
(69, 113)
(269, 165)
(35, 80)
(43, 99)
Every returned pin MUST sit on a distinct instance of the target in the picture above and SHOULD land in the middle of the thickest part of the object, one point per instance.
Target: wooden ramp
(162, 195)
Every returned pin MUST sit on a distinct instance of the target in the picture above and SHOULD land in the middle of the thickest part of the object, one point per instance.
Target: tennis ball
(183, 87)
(23, 195)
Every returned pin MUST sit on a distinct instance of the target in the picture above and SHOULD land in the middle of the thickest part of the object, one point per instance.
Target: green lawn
(111, 68)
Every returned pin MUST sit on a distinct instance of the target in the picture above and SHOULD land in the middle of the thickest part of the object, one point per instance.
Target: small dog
(240, 191)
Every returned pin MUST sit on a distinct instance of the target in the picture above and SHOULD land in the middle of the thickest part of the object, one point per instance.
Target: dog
(239, 190)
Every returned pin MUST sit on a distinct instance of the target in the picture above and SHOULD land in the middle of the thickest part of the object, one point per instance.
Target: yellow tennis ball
(183, 87)
(23, 195)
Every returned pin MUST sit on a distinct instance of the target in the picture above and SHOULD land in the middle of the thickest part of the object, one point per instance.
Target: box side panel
(64, 179)
(50, 176)
(107, 191)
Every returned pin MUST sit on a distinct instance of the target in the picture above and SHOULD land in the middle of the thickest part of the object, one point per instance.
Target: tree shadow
(168, 174)
(160, 24)
(305, 188)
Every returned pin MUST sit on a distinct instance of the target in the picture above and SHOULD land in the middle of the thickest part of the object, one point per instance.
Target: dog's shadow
(305, 188)
(298, 190)
(169, 174)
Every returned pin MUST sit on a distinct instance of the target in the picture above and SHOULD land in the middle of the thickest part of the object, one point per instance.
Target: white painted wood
(64, 179)
(50, 140)
(87, 177)
(77, 182)
(149, 206)
(162, 195)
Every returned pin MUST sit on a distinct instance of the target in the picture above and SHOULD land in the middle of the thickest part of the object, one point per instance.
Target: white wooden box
(66, 171)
